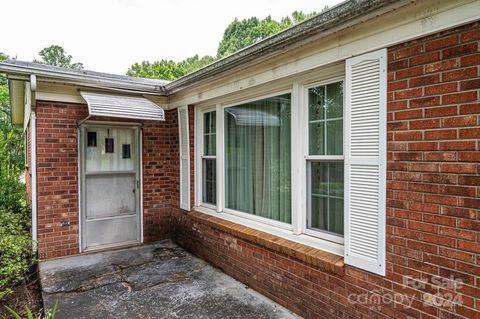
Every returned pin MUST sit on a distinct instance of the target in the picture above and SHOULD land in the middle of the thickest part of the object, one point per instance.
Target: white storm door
(110, 186)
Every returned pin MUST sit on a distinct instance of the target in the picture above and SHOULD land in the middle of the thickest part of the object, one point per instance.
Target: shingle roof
(55, 72)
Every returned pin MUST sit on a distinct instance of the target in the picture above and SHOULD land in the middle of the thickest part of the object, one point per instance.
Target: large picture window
(257, 158)
(325, 172)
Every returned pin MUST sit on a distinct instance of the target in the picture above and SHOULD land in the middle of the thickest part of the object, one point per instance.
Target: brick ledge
(317, 258)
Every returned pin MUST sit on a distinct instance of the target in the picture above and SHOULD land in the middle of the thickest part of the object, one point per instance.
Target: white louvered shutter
(184, 148)
(365, 161)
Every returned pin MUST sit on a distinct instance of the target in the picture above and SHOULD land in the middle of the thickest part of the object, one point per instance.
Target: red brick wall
(433, 217)
(57, 177)
(159, 174)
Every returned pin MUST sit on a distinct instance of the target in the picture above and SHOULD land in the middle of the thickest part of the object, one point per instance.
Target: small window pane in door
(92, 139)
(97, 160)
(109, 145)
(126, 151)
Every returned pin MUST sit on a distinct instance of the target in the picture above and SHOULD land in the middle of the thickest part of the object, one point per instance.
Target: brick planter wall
(57, 177)
(433, 217)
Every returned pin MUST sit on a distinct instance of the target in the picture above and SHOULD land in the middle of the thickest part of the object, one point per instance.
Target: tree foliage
(169, 69)
(11, 139)
(15, 248)
(15, 242)
(57, 56)
(238, 35)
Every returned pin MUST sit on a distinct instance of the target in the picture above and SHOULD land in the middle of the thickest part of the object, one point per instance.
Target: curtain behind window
(257, 158)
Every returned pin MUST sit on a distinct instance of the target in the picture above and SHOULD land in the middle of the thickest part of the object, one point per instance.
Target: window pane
(335, 100)
(325, 106)
(209, 134)
(336, 179)
(319, 175)
(209, 122)
(319, 220)
(316, 99)
(335, 137)
(210, 142)
(209, 179)
(336, 215)
(257, 158)
(326, 196)
(317, 140)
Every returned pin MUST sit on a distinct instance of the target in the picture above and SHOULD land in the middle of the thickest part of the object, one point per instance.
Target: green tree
(169, 69)
(194, 63)
(56, 55)
(240, 34)
(4, 109)
(11, 139)
(15, 241)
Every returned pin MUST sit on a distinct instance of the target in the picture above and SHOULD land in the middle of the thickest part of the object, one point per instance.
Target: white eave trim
(122, 106)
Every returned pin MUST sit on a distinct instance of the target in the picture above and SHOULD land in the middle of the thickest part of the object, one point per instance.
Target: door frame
(137, 127)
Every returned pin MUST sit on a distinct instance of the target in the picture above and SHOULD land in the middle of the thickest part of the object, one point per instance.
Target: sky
(111, 35)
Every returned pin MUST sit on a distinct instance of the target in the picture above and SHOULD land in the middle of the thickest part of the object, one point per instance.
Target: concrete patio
(151, 281)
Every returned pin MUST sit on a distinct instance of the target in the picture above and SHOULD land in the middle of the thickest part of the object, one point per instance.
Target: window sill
(320, 259)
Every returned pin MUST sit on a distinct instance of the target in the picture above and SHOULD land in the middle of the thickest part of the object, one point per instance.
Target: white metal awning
(123, 106)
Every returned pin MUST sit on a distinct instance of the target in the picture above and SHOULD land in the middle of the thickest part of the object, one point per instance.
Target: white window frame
(319, 158)
(202, 156)
(296, 231)
(260, 219)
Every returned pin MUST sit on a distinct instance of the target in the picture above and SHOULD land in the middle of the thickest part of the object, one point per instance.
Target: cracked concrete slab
(152, 281)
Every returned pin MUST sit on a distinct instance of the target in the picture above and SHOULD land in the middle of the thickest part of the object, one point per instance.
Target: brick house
(333, 167)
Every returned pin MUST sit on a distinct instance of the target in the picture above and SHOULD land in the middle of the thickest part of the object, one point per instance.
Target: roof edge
(82, 77)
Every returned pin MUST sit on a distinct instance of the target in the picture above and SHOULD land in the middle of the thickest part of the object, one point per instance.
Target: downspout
(33, 152)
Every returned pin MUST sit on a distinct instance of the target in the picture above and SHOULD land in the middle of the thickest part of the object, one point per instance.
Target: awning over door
(123, 106)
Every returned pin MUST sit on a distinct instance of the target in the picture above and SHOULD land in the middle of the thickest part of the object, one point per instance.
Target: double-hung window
(209, 158)
(325, 173)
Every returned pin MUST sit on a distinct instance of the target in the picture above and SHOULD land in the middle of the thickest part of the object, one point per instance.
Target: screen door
(110, 186)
